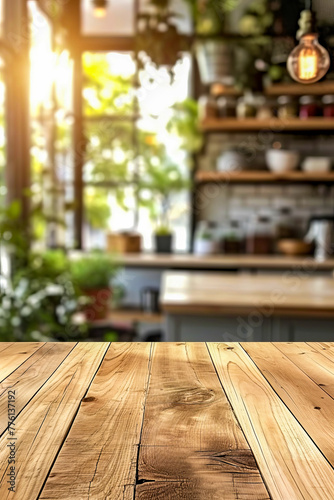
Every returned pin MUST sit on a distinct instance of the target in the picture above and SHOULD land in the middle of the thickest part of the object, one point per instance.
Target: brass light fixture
(309, 61)
(100, 8)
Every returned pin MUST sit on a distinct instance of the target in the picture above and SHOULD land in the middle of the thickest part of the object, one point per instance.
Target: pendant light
(100, 8)
(309, 61)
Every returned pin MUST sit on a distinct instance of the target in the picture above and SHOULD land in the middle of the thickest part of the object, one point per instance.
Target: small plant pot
(99, 306)
(163, 243)
(205, 247)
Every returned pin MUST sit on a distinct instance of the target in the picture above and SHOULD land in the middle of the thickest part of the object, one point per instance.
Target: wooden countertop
(191, 421)
(190, 261)
(225, 294)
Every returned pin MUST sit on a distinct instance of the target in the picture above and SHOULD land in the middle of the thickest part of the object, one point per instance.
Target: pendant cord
(308, 4)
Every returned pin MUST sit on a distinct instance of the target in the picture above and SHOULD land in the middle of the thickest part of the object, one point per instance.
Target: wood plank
(5, 345)
(98, 459)
(325, 348)
(30, 376)
(14, 355)
(43, 425)
(313, 408)
(291, 464)
(192, 445)
(298, 89)
(312, 361)
(273, 124)
(261, 176)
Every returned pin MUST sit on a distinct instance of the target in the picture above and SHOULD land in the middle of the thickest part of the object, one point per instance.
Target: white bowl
(279, 160)
(317, 164)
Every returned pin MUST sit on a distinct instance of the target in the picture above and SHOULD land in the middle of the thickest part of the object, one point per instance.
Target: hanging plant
(158, 37)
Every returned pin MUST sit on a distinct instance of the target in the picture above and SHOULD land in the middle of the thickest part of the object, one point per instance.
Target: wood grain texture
(43, 424)
(291, 464)
(206, 293)
(14, 355)
(311, 361)
(98, 460)
(185, 261)
(325, 348)
(313, 408)
(30, 376)
(262, 176)
(192, 445)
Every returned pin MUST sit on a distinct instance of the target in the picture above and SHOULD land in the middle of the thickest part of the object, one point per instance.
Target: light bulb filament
(307, 64)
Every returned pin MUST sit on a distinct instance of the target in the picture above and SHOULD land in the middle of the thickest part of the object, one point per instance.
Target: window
(126, 113)
(51, 124)
(3, 189)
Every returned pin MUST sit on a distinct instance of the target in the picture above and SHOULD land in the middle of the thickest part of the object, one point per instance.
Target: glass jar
(264, 109)
(260, 239)
(308, 107)
(287, 107)
(227, 107)
(328, 109)
(246, 107)
(208, 108)
(285, 224)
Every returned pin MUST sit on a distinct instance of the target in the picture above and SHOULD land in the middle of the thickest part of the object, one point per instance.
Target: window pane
(110, 151)
(119, 18)
(183, 20)
(108, 87)
(3, 190)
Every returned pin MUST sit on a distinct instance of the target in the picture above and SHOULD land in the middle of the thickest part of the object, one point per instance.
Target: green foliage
(94, 272)
(39, 303)
(163, 231)
(111, 337)
(98, 211)
(257, 19)
(184, 124)
(39, 300)
(161, 180)
(209, 14)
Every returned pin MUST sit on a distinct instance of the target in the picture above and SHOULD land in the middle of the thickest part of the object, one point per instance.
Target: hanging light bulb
(309, 61)
(100, 8)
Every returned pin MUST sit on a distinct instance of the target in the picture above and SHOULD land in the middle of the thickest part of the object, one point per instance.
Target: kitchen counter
(191, 421)
(199, 293)
(197, 303)
(190, 261)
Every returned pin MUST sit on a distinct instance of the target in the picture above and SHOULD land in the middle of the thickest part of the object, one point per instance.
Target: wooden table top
(229, 294)
(191, 261)
(170, 421)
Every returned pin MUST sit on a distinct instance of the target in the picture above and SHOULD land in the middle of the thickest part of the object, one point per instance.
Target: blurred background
(143, 137)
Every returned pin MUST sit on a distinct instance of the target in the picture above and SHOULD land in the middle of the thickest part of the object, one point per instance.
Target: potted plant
(214, 54)
(93, 275)
(205, 243)
(163, 239)
(161, 180)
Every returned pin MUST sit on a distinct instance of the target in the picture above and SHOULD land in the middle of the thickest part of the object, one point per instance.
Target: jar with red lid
(328, 102)
(308, 107)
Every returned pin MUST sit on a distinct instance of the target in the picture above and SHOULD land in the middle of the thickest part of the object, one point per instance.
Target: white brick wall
(242, 202)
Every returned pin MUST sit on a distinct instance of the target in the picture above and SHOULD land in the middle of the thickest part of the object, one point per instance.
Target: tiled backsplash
(220, 203)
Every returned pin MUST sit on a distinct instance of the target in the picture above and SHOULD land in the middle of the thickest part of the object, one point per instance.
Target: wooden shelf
(291, 89)
(264, 177)
(274, 125)
(299, 89)
(129, 316)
